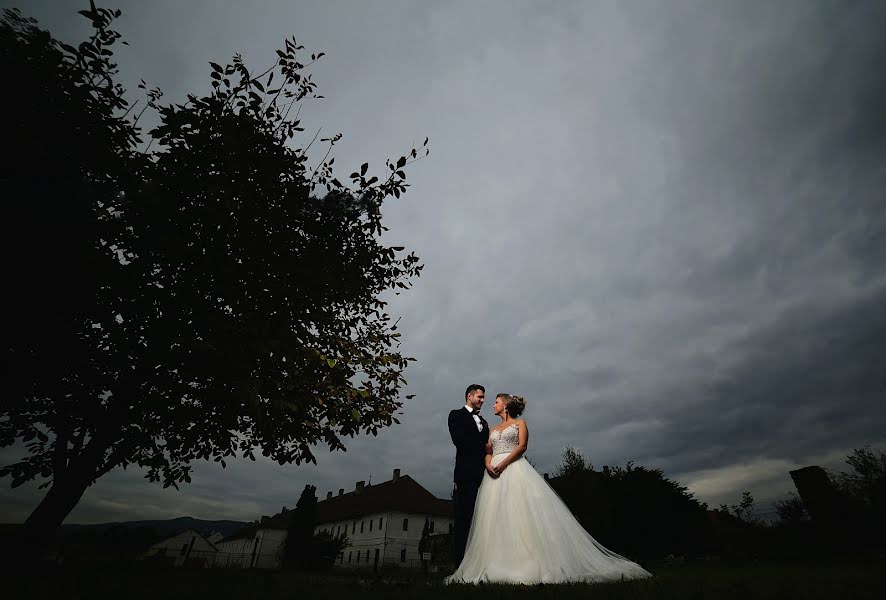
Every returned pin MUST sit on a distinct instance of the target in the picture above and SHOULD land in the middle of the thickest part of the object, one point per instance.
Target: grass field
(846, 580)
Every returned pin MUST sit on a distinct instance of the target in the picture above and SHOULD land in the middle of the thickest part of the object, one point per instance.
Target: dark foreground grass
(846, 581)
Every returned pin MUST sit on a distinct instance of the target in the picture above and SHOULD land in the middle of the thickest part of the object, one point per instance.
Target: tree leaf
(214, 246)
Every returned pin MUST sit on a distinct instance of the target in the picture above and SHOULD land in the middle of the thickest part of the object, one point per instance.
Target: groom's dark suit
(470, 463)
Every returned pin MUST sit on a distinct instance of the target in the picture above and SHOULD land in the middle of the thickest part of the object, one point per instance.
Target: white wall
(271, 547)
(215, 537)
(235, 553)
(390, 540)
(185, 545)
(264, 551)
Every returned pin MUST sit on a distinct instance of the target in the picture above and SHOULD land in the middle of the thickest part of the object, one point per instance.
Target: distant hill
(167, 526)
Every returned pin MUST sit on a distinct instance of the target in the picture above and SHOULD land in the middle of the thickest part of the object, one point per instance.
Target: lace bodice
(505, 440)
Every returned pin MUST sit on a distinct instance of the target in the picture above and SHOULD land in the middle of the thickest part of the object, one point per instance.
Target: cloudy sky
(661, 222)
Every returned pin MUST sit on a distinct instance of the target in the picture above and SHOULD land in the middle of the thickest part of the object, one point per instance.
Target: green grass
(846, 580)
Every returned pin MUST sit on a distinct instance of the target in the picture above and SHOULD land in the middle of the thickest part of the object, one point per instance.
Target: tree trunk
(36, 534)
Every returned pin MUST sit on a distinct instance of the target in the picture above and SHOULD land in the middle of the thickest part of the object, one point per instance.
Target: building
(384, 522)
(186, 548)
(259, 545)
(214, 537)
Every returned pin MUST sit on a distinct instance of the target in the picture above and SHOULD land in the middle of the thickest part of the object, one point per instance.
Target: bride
(522, 532)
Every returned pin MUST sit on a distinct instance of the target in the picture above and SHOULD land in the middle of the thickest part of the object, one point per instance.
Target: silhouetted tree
(657, 515)
(209, 298)
(738, 531)
(301, 527)
(572, 461)
(304, 549)
(866, 482)
(791, 511)
(117, 543)
(633, 510)
(864, 491)
(325, 549)
(744, 510)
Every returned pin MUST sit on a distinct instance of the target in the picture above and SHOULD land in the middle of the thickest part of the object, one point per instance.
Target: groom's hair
(473, 388)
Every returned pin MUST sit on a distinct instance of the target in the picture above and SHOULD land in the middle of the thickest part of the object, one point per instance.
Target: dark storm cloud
(661, 222)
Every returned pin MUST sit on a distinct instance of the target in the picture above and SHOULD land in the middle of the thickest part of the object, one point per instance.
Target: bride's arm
(488, 459)
(522, 444)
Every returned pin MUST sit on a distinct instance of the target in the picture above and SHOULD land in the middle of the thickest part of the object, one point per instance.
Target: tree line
(641, 513)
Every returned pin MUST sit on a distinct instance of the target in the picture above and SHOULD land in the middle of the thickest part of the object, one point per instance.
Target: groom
(470, 434)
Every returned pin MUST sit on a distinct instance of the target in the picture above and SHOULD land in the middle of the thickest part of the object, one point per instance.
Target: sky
(663, 223)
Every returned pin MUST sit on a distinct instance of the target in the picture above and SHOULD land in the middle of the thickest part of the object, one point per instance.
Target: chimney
(396, 475)
(341, 491)
(328, 495)
(360, 485)
(546, 476)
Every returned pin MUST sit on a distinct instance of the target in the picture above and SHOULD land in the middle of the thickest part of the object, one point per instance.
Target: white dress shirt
(476, 417)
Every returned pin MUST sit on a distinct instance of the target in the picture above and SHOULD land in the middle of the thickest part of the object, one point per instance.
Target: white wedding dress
(523, 533)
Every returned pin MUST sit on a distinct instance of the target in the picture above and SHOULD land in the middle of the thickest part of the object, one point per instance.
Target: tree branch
(60, 452)
(114, 459)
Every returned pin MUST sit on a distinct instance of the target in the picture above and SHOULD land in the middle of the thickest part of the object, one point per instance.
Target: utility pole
(384, 542)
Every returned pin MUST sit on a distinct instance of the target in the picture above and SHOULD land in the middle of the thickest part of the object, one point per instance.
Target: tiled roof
(278, 521)
(181, 531)
(403, 495)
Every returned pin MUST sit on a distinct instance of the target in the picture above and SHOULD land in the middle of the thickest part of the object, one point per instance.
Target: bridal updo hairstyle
(514, 405)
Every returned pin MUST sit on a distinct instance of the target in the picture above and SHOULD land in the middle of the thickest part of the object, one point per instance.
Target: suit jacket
(470, 447)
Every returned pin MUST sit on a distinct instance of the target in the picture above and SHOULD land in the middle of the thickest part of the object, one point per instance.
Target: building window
(350, 556)
(403, 555)
(370, 524)
(432, 527)
(358, 556)
(379, 523)
(354, 527)
(450, 528)
(367, 556)
(361, 526)
(405, 524)
(375, 560)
